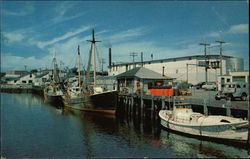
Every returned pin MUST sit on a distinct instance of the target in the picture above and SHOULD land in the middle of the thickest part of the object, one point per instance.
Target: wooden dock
(142, 105)
(21, 89)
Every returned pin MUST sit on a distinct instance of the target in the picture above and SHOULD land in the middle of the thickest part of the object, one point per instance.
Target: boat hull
(106, 100)
(69, 101)
(224, 132)
(55, 99)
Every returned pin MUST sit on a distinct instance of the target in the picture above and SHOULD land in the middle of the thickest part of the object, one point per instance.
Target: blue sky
(32, 31)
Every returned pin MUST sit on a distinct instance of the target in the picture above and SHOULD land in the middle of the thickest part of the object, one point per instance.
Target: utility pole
(141, 59)
(221, 42)
(133, 54)
(205, 53)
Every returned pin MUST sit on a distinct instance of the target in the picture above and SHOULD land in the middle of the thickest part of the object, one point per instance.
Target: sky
(32, 32)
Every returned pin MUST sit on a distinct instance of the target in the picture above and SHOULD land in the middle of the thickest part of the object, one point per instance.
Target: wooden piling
(205, 110)
(162, 101)
(152, 107)
(228, 108)
(132, 105)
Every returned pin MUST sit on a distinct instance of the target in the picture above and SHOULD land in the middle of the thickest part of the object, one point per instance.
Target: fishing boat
(54, 90)
(183, 119)
(74, 92)
(98, 97)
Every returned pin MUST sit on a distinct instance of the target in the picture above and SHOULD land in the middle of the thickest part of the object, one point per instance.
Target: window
(30, 81)
(238, 79)
(238, 86)
(230, 86)
(228, 80)
(225, 121)
(244, 86)
(23, 81)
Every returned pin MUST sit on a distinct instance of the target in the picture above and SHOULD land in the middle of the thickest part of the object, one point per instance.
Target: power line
(220, 42)
(205, 53)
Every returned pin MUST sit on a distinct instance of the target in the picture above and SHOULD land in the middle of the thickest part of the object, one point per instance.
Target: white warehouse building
(188, 68)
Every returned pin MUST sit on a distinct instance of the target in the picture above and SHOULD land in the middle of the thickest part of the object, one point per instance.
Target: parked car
(234, 90)
(199, 85)
(209, 86)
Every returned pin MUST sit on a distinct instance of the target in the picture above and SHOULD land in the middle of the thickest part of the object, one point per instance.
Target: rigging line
(98, 57)
(71, 60)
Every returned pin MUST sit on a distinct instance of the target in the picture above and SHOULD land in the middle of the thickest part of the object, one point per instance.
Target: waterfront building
(191, 69)
(27, 78)
(11, 76)
(42, 78)
(140, 78)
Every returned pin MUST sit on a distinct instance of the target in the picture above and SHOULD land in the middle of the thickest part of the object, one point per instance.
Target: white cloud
(60, 19)
(63, 37)
(28, 9)
(214, 34)
(11, 62)
(234, 29)
(241, 28)
(13, 36)
(61, 12)
(126, 35)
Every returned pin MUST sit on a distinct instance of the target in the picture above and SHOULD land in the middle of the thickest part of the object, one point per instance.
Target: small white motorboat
(183, 119)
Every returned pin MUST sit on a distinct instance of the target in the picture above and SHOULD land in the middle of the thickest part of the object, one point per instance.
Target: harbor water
(32, 128)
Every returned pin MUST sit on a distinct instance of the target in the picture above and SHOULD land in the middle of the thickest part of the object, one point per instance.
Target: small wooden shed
(140, 78)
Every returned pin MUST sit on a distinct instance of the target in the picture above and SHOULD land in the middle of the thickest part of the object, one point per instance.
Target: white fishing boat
(54, 91)
(183, 119)
(74, 91)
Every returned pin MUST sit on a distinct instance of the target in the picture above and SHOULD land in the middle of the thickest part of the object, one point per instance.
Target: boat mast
(93, 52)
(79, 70)
(55, 78)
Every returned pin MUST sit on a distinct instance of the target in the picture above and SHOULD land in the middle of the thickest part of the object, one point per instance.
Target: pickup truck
(234, 90)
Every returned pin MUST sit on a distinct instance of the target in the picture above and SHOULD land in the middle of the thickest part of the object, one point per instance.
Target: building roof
(16, 72)
(143, 73)
(197, 57)
(41, 74)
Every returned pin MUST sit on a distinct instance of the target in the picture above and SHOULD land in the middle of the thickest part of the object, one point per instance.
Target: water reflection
(26, 99)
(67, 133)
(136, 134)
(187, 145)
